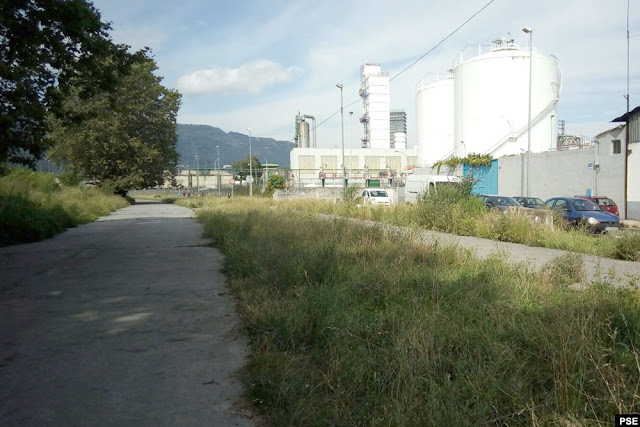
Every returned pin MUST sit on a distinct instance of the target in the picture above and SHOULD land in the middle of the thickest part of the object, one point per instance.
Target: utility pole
(250, 167)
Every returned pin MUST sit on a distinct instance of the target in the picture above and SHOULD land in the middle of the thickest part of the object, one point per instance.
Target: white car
(376, 197)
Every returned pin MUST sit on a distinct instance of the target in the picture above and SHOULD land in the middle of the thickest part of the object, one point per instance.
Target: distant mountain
(202, 140)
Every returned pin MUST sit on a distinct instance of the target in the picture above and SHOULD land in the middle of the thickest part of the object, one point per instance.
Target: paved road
(615, 271)
(123, 321)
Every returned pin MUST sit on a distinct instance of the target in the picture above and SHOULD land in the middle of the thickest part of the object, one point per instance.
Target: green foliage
(44, 45)
(276, 182)
(628, 247)
(126, 139)
(472, 159)
(351, 194)
(242, 167)
(34, 206)
(349, 324)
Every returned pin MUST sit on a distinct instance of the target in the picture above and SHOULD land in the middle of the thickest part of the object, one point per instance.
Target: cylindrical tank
(400, 140)
(303, 134)
(434, 121)
(492, 102)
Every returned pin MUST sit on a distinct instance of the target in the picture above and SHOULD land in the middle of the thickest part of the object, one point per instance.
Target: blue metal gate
(486, 177)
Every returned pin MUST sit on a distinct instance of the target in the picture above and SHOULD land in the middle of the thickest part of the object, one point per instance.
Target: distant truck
(423, 184)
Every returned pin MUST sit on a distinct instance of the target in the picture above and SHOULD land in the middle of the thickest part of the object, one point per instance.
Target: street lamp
(250, 167)
(529, 31)
(197, 177)
(350, 143)
(218, 160)
(266, 173)
(344, 177)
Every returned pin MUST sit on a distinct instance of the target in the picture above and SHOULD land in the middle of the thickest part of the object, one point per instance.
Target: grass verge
(349, 326)
(34, 206)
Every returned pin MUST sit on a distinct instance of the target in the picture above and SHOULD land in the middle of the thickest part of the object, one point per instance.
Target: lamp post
(350, 143)
(529, 31)
(197, 177)
(250, 167)
(344, 177)
(218, 160)
(266, 174)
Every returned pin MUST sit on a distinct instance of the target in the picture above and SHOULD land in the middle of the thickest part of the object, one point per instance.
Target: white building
(311, 164)
(376, 107)
(632, 120)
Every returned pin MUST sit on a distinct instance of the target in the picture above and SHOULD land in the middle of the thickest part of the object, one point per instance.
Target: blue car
(584, 212)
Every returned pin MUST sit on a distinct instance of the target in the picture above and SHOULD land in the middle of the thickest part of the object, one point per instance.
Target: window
(561, 205)
(616, 146)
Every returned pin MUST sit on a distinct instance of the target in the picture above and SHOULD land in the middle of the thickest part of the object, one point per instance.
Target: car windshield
(605, 202)
(507, 201)
(379, 194)
(585, 205)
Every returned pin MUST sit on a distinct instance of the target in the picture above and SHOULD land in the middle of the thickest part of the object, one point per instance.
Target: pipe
(307, 116)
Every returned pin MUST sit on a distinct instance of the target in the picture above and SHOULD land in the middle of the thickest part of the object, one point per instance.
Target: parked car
(605, 203)
(376, 197)
(501, 203)
(582, 212)
(530, 202)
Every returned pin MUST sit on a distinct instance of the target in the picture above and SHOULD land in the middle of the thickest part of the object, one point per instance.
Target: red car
(605, 203)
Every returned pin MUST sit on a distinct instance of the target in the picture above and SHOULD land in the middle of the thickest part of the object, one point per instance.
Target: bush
(34, 206)
(627, 247)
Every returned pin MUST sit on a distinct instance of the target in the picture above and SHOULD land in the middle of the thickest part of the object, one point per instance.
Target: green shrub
(34, 206)
(627, 247)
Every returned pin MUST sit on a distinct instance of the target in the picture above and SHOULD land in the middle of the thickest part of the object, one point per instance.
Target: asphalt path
(124, 321)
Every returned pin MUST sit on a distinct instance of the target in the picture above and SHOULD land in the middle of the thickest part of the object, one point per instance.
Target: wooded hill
(234, 146)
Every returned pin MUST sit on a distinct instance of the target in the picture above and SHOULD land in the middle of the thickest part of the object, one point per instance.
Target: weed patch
(35, 206)
(349, 326)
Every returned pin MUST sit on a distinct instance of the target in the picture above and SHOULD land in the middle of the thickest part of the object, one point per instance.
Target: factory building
(383, 155)
(398, 129)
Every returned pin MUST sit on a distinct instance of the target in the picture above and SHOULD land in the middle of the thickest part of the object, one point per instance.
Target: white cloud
(252, 77)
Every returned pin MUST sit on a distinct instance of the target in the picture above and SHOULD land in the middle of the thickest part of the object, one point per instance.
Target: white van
(421, 184)
(376, 196)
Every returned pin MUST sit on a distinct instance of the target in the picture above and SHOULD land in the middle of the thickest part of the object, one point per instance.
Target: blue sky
(255, 64)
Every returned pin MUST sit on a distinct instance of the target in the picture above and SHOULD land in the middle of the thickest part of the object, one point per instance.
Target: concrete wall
(567, 173)
(633, 182)
(308, 193)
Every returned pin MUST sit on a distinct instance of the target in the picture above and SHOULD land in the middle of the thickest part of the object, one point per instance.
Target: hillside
(203, 139)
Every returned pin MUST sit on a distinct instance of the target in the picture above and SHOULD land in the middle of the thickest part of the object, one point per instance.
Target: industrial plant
(498, 101)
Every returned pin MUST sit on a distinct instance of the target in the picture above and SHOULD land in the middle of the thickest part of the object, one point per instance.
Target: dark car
(605, 203)
(501, 203)
(530, 202)
(583, 212)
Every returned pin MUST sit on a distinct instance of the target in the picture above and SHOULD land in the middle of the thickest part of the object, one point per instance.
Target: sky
(257, 63)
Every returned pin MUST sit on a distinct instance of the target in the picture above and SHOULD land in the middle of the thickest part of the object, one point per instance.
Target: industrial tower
(375, 99)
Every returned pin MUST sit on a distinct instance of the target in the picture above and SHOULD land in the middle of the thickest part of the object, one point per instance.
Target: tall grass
(454, 210)
(34, 206)
(349, 326)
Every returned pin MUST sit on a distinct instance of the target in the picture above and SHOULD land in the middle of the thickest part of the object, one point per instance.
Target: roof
(608, 130)
(623, 118)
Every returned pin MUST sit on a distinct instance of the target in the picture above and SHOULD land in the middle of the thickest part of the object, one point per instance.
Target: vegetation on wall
(471, 159)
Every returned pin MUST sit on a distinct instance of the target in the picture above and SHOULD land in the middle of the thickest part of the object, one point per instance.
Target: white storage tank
(492, 101)
(435, 120)
(400, 140)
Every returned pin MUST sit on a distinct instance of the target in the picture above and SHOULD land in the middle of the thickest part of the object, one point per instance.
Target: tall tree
(242, 167)
(126, 138)
(43, 45)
